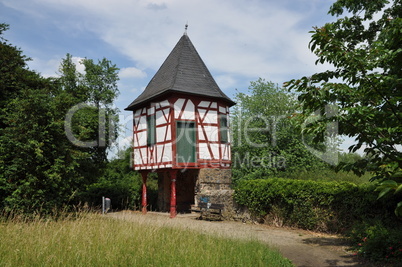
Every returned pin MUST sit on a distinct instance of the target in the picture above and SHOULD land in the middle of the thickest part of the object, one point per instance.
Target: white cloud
(119, 147)
(238, 40)
(47, 68)
(50, 68)
(225, 82)
(246, 38)
(78, 64)
(131, 72)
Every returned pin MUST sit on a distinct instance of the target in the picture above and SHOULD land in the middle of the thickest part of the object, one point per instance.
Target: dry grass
(95, 240)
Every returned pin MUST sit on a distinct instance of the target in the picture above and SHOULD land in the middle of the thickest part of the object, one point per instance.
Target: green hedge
(313, 205)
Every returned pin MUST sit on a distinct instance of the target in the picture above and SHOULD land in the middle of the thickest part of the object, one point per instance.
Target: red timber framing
(210, 150)
(144, 175)
(158, 154)
(173, 195)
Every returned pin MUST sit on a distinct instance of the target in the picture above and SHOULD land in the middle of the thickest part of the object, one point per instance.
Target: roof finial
(185, 28)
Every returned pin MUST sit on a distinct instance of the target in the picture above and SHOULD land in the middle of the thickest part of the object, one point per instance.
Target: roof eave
(135, 106)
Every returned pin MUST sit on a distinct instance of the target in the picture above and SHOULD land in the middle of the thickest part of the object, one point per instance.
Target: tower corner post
(173, 177)
(144, 202)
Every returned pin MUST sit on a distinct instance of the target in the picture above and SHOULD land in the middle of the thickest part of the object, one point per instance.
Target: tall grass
(94, 240)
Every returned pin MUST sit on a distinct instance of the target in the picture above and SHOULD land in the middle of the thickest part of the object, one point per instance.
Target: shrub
(321, 206)
(124, 193)
(121, 184)
(374, 241)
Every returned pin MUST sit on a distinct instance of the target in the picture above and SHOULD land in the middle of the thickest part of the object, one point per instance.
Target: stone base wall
(215, 186)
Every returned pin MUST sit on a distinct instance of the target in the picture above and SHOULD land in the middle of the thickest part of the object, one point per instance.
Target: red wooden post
(173, 176)
(144, 192)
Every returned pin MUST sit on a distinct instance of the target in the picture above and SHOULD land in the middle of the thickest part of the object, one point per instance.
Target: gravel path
(303, 248)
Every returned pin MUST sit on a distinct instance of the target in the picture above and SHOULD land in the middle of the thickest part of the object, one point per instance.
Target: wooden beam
(144, 203)
(173, 200)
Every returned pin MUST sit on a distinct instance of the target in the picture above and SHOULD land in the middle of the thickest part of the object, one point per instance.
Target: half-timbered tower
(180, 126)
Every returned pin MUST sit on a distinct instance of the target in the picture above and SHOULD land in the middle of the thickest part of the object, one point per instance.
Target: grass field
(94, 240)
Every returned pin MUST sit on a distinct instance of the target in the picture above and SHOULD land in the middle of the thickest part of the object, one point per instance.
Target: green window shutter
(224, 129)
(185, 142)
(151, 130)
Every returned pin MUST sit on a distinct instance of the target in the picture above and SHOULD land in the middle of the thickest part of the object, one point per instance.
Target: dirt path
(303, 248)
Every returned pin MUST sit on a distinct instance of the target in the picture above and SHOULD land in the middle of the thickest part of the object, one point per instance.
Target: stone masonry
(215, 186)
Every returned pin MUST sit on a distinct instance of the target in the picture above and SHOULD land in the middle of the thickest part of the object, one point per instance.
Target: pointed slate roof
(182, 72)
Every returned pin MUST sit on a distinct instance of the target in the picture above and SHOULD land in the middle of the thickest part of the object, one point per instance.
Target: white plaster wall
(160, 119)
(137, 157)
(211, 117)
(142, 139)
(200, 134)
(160, 133)
(204, 104)
(212, 133)
(164, 152)
(225, 152)
(188, 113)
(141, 122)
(203, 151)
(215, 150)
(162, 104)
(178, 106)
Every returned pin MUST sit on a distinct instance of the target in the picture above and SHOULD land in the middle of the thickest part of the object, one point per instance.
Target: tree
(40, 169)
(13, 72)
(266, 141)
(38, 164)
(95, 120)
(365, 48)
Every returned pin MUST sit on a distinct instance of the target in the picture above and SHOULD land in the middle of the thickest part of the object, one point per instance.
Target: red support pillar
(173, 176)
(144, 192)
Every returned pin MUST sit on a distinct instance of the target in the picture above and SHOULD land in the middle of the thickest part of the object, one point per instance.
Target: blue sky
(238, 40)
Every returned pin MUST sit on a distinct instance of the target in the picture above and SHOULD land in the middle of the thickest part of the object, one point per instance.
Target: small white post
(103, 205)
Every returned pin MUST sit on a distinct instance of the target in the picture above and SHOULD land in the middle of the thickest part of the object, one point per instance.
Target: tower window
(224, 128)
(151, 130)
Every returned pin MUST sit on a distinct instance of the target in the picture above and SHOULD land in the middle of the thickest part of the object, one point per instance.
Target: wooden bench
(210, 211)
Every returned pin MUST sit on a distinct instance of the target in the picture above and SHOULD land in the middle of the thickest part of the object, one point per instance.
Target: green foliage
(388, 186)
(323, 206)
(266, 141)
(40, 169)
(377, 242)
(14, 75)
(37, 169)
(122, 185)
(95, 122)
(326, 175)
(364, 46)
(152, 191)
(119, 183)
(101, 81)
